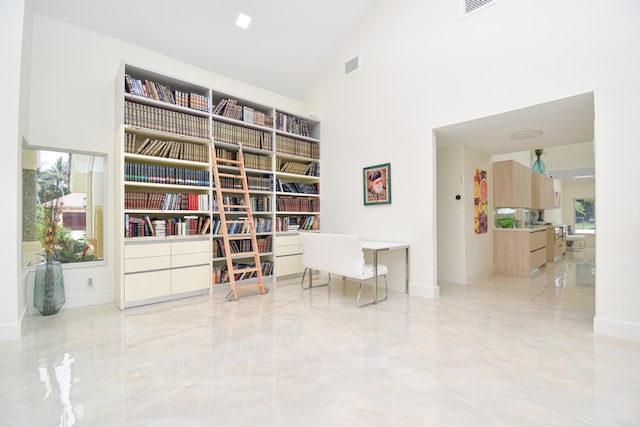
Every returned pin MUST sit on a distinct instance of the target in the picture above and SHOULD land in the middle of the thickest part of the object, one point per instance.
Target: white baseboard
(424, 290)
(75, 301)
(615, 328)
(10, 331)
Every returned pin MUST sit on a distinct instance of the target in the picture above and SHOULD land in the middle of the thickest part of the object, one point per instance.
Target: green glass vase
(48, 292)
(538, 166)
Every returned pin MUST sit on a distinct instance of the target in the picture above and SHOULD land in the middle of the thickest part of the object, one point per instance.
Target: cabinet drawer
(538, 258)
(288, 250)
(186, 260)
(287, 240)
(146, 285)
(190, 279)
(289, 265)
(538, 240)
(146, 250)
(191, 247)
(146, 264)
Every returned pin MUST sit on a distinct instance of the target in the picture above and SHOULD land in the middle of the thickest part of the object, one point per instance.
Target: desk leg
(375, 271)
(406, 255)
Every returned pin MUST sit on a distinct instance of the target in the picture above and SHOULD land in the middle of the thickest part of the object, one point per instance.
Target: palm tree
(53, 182)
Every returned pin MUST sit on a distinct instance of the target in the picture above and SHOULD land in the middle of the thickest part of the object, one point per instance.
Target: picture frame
(376, 186)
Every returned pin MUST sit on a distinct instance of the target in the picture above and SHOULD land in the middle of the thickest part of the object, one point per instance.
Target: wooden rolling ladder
(224, 223)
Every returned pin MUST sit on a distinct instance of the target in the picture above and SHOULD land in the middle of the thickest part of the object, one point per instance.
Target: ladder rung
(246, 270)
(230, 190)
(235, 206)
(239, 236)
(242, 255)
(230, 175)
(257, 285)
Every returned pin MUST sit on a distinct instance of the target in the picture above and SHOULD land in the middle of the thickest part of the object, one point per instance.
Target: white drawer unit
(156, 271)
(288, 255)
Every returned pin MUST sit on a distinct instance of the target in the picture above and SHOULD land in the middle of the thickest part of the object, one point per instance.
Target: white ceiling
(285, 49)
(566, 121)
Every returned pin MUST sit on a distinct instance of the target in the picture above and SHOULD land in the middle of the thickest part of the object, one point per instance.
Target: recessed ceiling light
(243, 21)
(527, 134)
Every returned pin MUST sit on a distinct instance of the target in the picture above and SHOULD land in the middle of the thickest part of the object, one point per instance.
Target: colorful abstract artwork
(480, 202)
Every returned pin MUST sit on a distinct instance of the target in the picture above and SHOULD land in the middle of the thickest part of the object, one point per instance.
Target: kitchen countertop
(528, 229)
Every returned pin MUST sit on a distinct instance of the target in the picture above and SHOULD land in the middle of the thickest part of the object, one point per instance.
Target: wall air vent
(469, 7)
(351, 66)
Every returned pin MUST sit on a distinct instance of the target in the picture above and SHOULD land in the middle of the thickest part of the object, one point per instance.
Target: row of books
(258, 203)
(221, 274)
(232, 134)
(159, 174)
(167, 149)
(291, 124)
(308, 169)
(149, 117)
(294, 223)
(230, 108)
(166, 201)
(240, 246)
(296, 187)
(254, 183)
(160, 92)
(257, 161)
(297, 204)
(184, 226)
(297, 147)
(192, 100)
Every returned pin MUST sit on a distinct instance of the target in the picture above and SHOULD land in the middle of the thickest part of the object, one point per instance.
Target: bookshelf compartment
(150, 85)
(242, 135)
(226, 106)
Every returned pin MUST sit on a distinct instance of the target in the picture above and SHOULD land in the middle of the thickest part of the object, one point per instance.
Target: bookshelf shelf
(168, 128)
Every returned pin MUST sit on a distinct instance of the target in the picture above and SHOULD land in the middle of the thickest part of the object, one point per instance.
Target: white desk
(379, 246)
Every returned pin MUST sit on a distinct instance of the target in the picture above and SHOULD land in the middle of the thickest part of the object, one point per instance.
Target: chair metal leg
(375, 301)
(311, 280)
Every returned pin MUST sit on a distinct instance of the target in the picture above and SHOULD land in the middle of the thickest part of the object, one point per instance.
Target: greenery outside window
(585, 215)
(73, 185)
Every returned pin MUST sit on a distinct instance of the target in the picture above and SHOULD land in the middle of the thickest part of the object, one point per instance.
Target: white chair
(339, 254)
(572, 239)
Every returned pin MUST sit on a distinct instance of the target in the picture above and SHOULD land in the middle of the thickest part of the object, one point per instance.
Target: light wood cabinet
(542, 194)
(517, 252)
(556, 245)
(511, 185)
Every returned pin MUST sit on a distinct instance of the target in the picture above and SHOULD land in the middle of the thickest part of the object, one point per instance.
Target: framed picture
(377, 184)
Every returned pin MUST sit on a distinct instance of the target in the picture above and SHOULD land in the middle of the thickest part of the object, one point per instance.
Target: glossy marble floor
(501, 352)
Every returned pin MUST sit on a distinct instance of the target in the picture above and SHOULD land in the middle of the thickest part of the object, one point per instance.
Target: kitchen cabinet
(518, 251)
(542, 194)
(511, 185)
(556, 242)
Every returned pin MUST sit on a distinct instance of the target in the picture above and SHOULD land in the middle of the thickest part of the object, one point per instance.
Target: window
(68, 187)
(585, 215)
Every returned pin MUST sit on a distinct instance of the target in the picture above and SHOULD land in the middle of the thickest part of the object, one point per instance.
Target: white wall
(479, 247)
(12, 127)
(452, 214)
(424, 67)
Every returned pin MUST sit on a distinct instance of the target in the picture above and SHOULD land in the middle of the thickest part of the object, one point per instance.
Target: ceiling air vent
(351, 65)
(469, 7)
